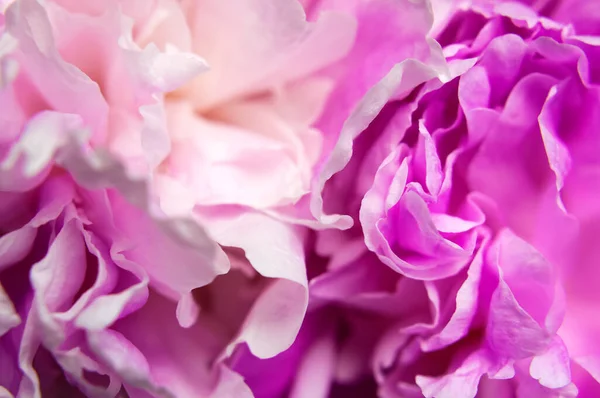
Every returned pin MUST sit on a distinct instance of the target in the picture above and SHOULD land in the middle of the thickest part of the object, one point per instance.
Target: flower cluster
(299, 198)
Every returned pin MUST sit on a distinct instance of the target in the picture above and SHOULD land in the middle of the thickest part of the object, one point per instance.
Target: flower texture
(470, 270)
(156, 160)
(303, 198)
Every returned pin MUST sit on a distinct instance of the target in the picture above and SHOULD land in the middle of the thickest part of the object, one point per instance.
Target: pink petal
(552, 368)
(62, 86)
(255, 45)
(275, 251)
(193, 257)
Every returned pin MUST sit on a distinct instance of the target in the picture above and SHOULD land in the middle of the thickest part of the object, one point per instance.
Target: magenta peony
(470, 270)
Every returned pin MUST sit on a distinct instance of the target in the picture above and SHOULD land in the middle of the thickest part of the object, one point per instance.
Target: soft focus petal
(247, 43)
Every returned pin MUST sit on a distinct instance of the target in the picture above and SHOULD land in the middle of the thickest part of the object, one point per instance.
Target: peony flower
(476, 192)
(509, 161)
(109, 283)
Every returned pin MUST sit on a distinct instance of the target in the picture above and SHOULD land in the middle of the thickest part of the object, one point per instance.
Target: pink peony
(148, 147)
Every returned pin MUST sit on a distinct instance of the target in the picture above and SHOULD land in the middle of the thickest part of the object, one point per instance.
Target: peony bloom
(477, 193)
(147, 158)
(502, 178)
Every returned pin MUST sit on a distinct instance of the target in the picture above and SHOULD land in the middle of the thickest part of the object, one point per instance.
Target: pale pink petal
(259, 168)
(252, 46)
(552, 368)
(62, 86)
(29, 161)
(274, 250)
(131, 79)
